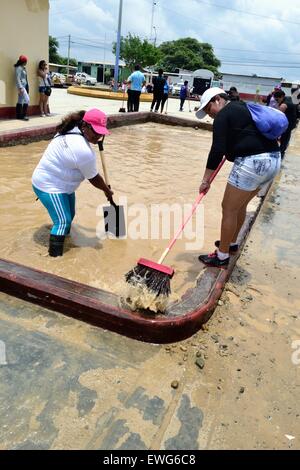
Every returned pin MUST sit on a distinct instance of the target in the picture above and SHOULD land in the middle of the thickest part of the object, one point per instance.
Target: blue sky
(249, 36)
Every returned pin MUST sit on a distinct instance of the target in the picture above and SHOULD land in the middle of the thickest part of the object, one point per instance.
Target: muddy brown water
(148, 164)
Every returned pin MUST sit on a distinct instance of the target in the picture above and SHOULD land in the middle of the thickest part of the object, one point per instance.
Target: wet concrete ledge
(101, 308)
(37, 133)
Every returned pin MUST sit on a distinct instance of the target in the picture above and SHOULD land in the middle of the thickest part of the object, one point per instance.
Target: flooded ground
(147, 164)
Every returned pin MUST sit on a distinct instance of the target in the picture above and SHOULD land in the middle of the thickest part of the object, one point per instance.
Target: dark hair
(20, 62)
(137, 67)
(160, 71)
(186, 82)
(41, 63)
(70, 121)
(222, 95)
(279, 94)
(232, 88)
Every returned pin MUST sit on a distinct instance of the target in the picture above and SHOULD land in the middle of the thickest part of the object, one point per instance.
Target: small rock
(220, 302)
(183, 348)
(242, 323)
(200, 362)
(242, 389)
(167, 348)
(198, 354)
(196, 128)
(175, 384)
(215, 338)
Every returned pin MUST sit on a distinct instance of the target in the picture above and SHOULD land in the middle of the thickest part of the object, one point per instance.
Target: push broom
(155, 277)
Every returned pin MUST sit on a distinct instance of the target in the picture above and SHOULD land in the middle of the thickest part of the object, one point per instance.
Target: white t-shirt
(66, 162)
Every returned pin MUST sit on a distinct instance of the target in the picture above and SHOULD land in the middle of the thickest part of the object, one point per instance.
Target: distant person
(233, 94)
(67, 161)
(271, 101)
(44, 88)
(295, 95)
(158, 90)
(286, 105)
(149, 88)
(184, 93)
(165, 95)
(22, 87)
(136, 80)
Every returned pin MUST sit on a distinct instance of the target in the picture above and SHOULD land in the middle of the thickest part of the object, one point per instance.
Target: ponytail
(70, 121)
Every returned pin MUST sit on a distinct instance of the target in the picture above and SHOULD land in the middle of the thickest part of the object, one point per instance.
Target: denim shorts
(250, 173)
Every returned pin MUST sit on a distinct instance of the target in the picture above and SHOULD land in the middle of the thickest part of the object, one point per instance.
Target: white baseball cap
(205, 99)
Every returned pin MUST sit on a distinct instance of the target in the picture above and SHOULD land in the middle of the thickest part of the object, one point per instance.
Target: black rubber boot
(56, 245)
(19, 111)
(24, 114)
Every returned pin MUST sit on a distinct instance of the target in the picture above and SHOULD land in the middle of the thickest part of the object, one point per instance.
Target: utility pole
(116, 74)
(154, 42)
(69, 47)
(104, 59)
(152, 17)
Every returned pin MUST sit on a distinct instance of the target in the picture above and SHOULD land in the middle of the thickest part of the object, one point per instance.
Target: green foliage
(135, 51)
(189, 54)
(54, 56)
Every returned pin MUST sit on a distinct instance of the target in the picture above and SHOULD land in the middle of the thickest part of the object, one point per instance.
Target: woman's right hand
(108, 193)
(204, 187)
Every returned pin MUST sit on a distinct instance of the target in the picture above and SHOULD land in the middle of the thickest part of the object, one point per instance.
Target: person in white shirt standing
(67, 161)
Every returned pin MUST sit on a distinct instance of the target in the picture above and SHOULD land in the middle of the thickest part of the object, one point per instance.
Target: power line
(259, 52)
(248, 13)
(262, 65)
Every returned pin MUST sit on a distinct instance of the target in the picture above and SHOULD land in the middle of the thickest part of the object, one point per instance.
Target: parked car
(84, 78)
(176, 88)
(58, 79)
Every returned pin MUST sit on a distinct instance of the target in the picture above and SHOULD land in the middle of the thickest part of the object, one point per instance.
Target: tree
(189, 54)
(54, 56)
(135, 51)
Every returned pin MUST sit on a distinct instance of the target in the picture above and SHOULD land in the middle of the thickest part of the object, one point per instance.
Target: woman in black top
(256, 161)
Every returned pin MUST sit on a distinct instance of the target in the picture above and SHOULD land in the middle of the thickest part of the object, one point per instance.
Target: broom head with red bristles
(153, 276)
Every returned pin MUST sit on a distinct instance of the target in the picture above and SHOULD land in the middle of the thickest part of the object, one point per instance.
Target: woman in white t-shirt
(67, 161)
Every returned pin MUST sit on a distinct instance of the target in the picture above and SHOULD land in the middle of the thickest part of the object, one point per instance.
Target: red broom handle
(199, 198)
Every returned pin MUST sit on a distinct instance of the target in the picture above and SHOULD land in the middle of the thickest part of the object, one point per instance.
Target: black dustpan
(122, 109)
(114, 217)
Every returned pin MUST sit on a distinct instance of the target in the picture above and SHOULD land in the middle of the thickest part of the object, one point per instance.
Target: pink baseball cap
(97, 119)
